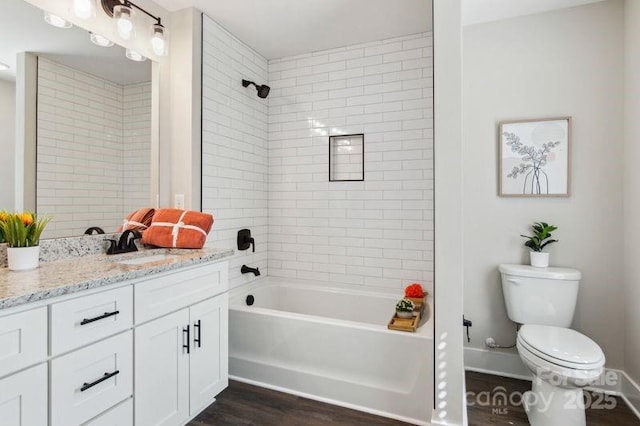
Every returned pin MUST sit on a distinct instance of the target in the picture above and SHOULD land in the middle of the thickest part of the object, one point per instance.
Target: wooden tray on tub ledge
(405, 324)
(409, 324)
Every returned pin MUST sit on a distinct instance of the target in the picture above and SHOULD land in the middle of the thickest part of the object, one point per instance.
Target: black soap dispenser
(245, 240)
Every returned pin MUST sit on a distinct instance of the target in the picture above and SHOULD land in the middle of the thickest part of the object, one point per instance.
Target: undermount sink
(148, 259)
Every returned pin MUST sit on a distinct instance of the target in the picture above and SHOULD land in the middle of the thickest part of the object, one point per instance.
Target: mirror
(89, 160)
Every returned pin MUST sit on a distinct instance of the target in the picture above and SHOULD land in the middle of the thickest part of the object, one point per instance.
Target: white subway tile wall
(376, 233)
(81, 150)
(266, 168)
(234, 147)
(136, 135)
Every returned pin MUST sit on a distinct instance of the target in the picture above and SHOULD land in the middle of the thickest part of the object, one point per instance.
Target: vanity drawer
(87, 319)
(91, 380)
(23, 340)
(122, 415)
(168, 293)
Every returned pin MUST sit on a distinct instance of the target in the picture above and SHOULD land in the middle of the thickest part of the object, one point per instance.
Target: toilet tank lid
(545, 273)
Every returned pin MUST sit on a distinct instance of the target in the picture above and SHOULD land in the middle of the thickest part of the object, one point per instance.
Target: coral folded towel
(138, 220)
(173, 228)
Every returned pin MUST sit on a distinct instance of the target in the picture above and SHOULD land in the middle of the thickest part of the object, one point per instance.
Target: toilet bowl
(563, 361)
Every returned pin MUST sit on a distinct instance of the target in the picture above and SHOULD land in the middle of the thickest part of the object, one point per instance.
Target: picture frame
(535, 158)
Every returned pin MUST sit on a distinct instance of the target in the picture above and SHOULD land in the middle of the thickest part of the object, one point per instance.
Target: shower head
(263, 90)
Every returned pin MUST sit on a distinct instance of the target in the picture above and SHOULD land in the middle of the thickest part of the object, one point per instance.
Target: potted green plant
(404, 308)
(538, 241)
(21, 232)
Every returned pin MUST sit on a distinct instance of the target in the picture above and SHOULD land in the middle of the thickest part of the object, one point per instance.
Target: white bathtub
(332, 344)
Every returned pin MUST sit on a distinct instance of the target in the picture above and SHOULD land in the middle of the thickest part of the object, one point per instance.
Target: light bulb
(56, 21)
(125, 27)
(101, 41)
(84, 9)
(124, 24)
(135, 56)
(158, 42)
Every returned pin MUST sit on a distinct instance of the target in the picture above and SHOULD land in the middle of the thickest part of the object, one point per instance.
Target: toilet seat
(560, 376)
(561, 346)
(564, 356)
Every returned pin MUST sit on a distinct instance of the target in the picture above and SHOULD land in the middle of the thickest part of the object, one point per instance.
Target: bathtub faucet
(246, 270)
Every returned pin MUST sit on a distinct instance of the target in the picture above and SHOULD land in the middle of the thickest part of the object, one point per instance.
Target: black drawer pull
(105, 315)
(188, 345)
(198, 340)
(106, 376)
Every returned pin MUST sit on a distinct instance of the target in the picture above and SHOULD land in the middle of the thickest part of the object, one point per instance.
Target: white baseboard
(508, 364)
(496, 362)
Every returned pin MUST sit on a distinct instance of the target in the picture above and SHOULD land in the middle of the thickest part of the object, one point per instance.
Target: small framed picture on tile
(535, 158)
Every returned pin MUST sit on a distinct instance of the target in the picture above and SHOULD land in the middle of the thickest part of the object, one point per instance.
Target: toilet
(562, 360)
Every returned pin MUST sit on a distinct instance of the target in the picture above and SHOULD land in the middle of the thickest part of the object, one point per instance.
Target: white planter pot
(23, 258)
(539, 259)
(402, 314)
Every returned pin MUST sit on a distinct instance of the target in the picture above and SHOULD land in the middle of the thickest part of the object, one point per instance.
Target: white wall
(567, 62)
(7, 143)
(450, 406)
(374, 233)
(180, 113)
(234, 147)
(632, 189)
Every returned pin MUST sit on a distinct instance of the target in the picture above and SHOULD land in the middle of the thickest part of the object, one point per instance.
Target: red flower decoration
(414, 290)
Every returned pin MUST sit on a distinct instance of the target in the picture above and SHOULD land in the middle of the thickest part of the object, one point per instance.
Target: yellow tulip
(27, 218)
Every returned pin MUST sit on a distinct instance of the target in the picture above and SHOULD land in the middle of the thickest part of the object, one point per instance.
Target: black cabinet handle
(106, 376)
(105, 315)
(187, 346)
(198, 340)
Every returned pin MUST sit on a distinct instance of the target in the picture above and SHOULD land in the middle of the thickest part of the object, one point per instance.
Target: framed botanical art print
(535, 158)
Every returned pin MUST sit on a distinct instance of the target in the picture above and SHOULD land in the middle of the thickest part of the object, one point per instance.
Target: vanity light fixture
(4, 67)
(135, 56)
(124, 24)
(100, 40)
(122, 11)
(158, 42)
(56, 21)
(84, 9)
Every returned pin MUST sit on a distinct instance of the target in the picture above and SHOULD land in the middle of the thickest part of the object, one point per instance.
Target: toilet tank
(544, 296)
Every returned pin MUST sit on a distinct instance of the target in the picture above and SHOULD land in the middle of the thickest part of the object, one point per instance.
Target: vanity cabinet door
(162, 370)
(209, 366)
(23, 340)
(23, 398)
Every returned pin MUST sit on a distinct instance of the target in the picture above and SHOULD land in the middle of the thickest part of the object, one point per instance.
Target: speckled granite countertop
(61, 277)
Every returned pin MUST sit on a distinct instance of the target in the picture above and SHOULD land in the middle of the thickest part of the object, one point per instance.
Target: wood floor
(481, 414)
(245, 405)
(242, 404)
